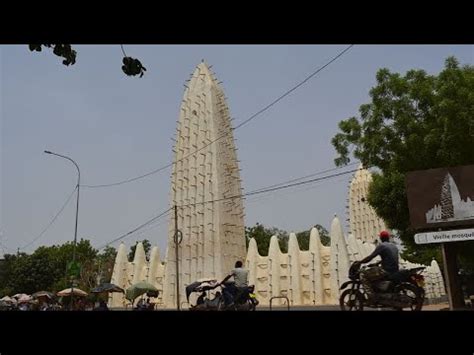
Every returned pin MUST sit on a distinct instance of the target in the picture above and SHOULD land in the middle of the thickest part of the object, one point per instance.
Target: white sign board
(458, 235)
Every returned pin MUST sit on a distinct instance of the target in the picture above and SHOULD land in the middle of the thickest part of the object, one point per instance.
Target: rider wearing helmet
(387, 251)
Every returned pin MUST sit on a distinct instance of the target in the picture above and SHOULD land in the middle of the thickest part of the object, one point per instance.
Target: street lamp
(77, 214)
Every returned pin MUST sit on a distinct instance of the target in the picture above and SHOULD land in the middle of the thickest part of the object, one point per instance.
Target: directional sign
(74, 269)
(457, 235)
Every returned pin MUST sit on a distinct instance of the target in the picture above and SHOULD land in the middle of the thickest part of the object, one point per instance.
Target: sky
(117, 127)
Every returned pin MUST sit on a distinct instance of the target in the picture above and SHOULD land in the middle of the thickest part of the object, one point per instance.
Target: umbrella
(24, 298)
(8, 299)
(107, 287)
(19, 295)
(41, 294)
(68, 292)
(201, 282)
(139, 289)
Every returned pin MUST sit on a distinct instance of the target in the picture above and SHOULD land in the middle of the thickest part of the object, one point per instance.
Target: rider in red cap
(387, 251)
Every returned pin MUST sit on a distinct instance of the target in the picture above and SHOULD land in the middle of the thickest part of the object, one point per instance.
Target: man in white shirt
(232, 291)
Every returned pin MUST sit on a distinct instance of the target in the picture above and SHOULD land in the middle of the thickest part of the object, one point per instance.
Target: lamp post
(77, 214)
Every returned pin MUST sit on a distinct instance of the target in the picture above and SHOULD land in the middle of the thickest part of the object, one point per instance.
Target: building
(364, 224)
(206, 188)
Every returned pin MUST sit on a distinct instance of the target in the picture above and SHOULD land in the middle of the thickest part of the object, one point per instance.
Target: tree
(30, 273)
(146, 246)
(105, 263)
(413, 122)
(131, 66)
(303, 237)
(6, 271)
(46, 269)
(263, 235)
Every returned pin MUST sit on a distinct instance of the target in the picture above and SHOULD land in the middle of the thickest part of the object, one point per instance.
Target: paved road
(300, 308)
(307, 308)
(310, 308)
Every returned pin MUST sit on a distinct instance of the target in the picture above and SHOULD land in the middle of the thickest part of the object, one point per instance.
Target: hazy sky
(117, 127)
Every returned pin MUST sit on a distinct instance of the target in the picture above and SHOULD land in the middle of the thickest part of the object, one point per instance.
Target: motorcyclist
(232, 291)
(387, 251)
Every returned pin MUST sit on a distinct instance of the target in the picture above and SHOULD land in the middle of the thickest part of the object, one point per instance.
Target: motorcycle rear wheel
(351, 300)
(252, 305)
(413, 292)
(221, 306)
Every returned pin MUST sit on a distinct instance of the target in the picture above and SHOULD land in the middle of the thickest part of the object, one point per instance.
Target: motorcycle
(245, 301)
(208, 300)
(370, 286)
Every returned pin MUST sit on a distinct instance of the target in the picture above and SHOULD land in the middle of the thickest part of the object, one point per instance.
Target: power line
(163, 214)
(136, 229)
(153, 226)
(260, 198)
(296, 191)
(293, 88)
(52, 221)
(255, 192)
(270, 189)
(311, 175)
(227, 133)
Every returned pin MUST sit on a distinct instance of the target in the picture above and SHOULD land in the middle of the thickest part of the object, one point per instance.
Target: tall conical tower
(213, 232)
(364, 222)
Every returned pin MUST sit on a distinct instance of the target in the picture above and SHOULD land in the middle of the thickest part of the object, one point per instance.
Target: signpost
(457, 235)
(441, 202)
(74, 272)
(74, 269)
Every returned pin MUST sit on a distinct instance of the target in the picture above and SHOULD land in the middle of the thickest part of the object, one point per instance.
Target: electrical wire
(136, 229)
(251, 193)
(51, 222)
(255, 115)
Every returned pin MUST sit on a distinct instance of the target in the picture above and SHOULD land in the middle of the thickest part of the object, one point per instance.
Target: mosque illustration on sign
(451, 206)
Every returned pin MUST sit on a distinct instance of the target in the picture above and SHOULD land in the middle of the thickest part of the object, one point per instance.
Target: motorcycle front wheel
(351, 300)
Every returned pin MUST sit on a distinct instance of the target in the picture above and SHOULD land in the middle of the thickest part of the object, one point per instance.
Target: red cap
(384, 234)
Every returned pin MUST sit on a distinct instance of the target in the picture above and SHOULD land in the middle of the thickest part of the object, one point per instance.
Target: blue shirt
(388, 252)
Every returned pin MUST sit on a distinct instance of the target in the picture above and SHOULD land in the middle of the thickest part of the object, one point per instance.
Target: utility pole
(176, 244)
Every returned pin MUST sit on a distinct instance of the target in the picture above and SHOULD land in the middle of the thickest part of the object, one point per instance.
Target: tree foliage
(46, 269)
(131, 66)
(146, 246)
(105, 263)
(61, 50)
(262, 236)
(413, 122)
(303, 237)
